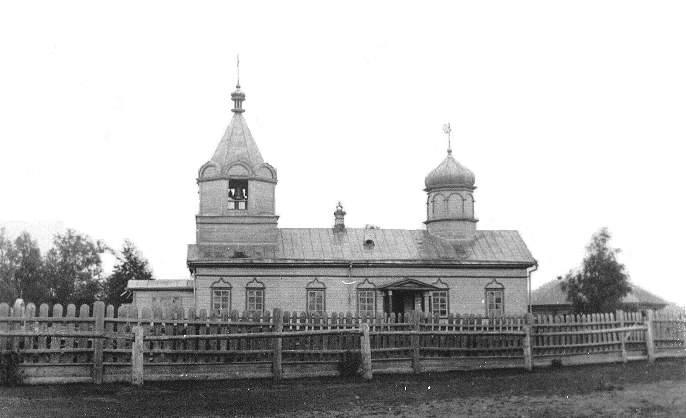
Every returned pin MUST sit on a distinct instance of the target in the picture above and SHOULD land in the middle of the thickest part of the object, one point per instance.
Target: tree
(602, 282)
(9, 291)
(73, 268)
(131, 266)
(21, 269)
(29, 273)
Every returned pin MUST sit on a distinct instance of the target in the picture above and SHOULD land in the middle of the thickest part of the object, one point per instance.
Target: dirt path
(635, 389)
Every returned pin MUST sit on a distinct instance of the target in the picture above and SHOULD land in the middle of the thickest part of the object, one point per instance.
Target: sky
(570, 114)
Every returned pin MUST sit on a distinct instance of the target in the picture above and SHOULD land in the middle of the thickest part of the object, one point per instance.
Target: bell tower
(236, 189)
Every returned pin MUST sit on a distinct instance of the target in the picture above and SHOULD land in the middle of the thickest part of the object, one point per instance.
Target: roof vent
(370, 236)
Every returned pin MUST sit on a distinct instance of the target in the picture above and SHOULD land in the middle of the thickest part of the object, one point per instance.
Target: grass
(582, 390)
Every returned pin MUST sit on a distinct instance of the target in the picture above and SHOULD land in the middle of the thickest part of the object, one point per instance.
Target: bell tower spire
(238, 96)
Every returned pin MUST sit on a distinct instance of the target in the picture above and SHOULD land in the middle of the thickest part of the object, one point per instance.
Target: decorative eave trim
(366, 284)
(226, 177)
(439, 264)
(255, 284)
(413, 285)
(315, 284)
(442, 187)
(221, 283)
(473, 220)
(495, 284)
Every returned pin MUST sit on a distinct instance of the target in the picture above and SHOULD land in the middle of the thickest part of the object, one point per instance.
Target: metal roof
(551, 294)
(160, 284)
(323, 244)
(449, 173)
(237, 144)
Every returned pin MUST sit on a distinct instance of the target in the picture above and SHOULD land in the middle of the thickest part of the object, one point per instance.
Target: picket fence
(130, 345)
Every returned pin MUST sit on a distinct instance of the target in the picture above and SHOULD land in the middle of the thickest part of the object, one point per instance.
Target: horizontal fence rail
(103, 344)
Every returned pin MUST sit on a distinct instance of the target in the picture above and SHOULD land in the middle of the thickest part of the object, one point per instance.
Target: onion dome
(450, 173)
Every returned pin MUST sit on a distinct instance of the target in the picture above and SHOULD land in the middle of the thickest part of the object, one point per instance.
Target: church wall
(287, 290)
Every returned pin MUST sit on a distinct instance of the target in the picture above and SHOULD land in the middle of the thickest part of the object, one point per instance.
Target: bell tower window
(238, 194)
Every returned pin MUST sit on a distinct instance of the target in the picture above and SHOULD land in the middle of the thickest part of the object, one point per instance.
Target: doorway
(404, 301)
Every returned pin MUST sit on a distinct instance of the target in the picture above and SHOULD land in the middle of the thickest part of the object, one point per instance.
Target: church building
(243, 261)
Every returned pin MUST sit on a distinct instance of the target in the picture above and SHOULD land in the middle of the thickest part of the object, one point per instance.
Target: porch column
(390, 301)
(425, 297)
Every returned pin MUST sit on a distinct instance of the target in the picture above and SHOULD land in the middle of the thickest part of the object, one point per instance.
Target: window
(221, 300)
(255, 303)
(439, 302)
(220, 291)
(238, 194)
(316, 296)
(366, 301)
(315, 300)
(494, 302)
(495, 299)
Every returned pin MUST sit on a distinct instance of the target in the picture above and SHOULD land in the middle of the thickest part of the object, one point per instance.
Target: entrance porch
(407, 295)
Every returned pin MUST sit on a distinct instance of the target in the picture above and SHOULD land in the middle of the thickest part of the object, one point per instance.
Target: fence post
(414, 339)
(526, 346)
(366, 352)
(277, 369)
(137, 356)
(650, 343)
(619, 315)
(99, 328)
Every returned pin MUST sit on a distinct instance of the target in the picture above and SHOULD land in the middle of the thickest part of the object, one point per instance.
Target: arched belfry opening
(238, 194)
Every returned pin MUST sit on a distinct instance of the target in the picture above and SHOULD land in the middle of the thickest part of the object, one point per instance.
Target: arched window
(316, 297)
(221, 296)
(439, 206)
(254, 297)
(366, 298)
(495, 298)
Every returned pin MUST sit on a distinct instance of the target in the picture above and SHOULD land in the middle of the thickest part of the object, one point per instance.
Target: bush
(350, 364)
(10, 375)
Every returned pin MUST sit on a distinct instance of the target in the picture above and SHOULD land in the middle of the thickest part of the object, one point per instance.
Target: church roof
(323, 244)
(551, 294)
(237, 144)
(449, 173)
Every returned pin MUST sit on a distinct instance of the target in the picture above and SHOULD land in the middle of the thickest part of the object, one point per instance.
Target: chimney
(339, 215)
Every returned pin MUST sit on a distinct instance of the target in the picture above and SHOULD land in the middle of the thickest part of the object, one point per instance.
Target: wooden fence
(101, 345)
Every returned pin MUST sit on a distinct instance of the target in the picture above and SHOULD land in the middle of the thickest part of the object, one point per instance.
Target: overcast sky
(570, 114)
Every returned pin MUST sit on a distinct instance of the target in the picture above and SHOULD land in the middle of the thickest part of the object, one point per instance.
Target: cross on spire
(238, 96)
(238, 71)
(447, 130)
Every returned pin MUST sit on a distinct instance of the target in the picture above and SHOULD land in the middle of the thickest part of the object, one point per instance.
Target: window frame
(433, 296)
(360, 292)
(315, 286)
(220, 285)
(493, 287)
(255, 285)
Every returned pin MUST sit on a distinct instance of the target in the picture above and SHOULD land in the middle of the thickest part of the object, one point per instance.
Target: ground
(634, 389)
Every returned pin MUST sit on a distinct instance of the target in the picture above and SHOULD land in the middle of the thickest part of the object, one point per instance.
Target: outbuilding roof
(161, 284)
(323, 244)
(551, 293)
